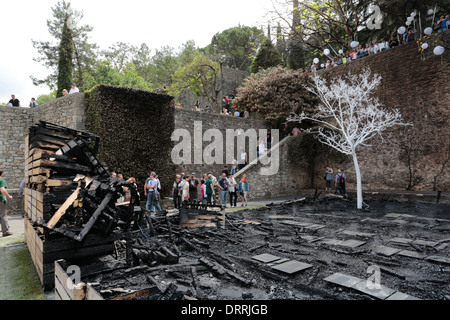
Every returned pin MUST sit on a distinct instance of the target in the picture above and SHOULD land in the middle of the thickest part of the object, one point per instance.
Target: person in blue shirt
(150, 186)
(443, 24)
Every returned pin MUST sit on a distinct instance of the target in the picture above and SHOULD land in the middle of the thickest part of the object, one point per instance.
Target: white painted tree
(349, 115)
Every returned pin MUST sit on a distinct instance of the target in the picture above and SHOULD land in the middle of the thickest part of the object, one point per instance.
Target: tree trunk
(358, 182)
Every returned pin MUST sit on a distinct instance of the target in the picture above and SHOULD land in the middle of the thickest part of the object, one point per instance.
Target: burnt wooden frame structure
(70, 199)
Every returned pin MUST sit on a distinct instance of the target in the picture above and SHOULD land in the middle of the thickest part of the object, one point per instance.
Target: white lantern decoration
(354, 44)
(439, 50)
(401, 30)
(326, 52)
(428, 31)
(430, 12)
(341, 51)
(316, 60)
(425, 46)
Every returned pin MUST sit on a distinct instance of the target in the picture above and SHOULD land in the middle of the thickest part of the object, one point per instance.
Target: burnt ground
(219, 264)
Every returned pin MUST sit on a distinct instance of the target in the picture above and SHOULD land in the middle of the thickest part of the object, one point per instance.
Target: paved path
(17, 223)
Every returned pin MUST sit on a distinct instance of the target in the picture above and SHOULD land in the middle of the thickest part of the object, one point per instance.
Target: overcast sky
(157, 23)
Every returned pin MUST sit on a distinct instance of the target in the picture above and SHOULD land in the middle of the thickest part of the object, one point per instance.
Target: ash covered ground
(407, 242)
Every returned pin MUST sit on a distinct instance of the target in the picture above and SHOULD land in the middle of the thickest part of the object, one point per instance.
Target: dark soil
(217, 264)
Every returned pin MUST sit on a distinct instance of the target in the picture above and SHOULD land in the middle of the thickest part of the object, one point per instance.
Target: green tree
(65, 62)
(84, 52)
(267, 57)
(105, 73)
(44, 98)
(276, 93)
(235, 47)
(203, 77)
(166, 64)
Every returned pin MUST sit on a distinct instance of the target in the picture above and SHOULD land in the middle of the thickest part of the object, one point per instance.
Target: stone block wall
(68, 111)
(185, 119)
(420, 88)
(288, 181)
(14, 123)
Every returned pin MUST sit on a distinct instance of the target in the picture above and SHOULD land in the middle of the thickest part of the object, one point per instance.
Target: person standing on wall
(3, 196)
(74, 89)
(243, 161)
(33, 103)
(14, 101)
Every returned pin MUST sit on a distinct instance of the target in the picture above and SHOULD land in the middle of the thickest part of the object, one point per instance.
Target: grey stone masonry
(13, 127)
(67, 111)
(288, 180)
(185, 119)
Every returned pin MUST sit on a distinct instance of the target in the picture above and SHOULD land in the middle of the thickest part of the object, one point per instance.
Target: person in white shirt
(232, 188)
(262, 148)
(244, 160)
(376, 47)
(74, 89)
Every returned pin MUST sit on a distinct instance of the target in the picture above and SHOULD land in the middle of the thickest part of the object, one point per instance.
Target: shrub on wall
(135, 129)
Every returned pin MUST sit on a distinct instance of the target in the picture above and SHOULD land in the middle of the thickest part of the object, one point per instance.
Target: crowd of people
(188, 189)
(210, 190)
(373, 48)
(227, 108)
(14, 102)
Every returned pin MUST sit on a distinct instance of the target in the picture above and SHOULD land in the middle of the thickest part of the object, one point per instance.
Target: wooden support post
(62, 211)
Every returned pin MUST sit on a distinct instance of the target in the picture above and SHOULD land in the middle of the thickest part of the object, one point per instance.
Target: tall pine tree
(295, 59)
(65, 61)
(267, 57)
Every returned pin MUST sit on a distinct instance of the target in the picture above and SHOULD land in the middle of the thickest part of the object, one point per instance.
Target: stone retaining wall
(185, 119)
(67, 111)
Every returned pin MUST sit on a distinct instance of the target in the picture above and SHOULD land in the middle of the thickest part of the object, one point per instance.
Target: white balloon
(354, 44)
(408, 23)
(401, 30)
(428, 31)
(341, 51)
(316, 60)
(413, 14)
(326, 52)
(322, 65)
(430, 12)
(425, 46)
(439, 50)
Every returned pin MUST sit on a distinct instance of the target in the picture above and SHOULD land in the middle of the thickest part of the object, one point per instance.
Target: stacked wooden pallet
(59, 162)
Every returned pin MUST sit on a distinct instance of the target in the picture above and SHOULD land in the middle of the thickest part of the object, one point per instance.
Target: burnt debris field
(322, 249)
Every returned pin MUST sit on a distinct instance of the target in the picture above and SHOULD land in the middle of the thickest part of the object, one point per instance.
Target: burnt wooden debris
(70, 199)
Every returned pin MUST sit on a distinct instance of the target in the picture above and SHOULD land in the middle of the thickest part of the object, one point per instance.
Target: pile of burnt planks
(70, 199)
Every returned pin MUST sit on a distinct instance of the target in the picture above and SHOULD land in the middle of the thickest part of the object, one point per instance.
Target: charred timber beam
(95, 216)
